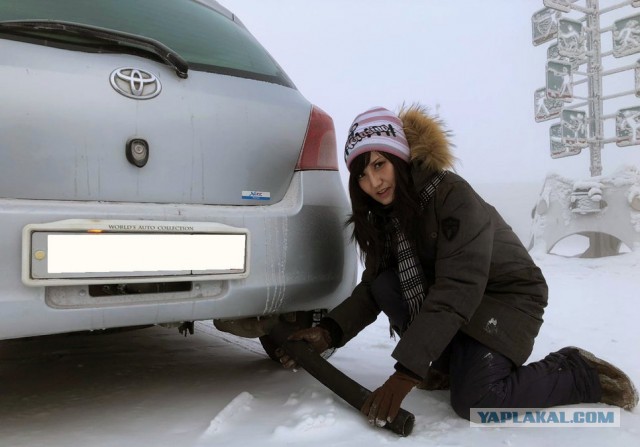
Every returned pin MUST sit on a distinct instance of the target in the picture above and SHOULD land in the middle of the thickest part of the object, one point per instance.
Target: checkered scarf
(409, 269)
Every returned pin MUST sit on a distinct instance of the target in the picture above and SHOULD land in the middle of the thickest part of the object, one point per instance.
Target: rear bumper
(300, 259)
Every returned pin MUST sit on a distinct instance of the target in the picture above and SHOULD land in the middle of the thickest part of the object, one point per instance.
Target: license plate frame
(102, 252)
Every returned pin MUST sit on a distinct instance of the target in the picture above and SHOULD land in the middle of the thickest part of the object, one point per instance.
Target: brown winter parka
(481, 280)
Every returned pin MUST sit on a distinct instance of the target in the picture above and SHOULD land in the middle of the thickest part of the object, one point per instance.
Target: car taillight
(319, 148)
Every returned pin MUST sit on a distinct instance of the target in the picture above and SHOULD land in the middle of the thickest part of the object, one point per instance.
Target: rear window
(205, 38)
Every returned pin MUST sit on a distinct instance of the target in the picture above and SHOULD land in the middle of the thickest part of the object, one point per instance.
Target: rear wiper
(165, 53)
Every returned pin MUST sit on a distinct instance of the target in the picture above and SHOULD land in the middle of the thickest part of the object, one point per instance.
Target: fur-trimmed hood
(427, 138)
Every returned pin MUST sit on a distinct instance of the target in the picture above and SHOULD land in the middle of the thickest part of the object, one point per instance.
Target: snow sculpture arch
(605, 209)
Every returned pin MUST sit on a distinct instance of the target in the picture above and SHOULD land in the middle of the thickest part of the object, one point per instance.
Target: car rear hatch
(75, 113)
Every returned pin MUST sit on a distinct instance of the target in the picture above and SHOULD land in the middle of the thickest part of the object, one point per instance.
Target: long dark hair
(371, 220)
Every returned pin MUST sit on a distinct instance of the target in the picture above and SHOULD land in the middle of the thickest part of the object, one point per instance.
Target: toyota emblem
(135, 83)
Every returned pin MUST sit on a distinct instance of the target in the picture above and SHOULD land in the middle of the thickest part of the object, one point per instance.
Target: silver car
(157, 166)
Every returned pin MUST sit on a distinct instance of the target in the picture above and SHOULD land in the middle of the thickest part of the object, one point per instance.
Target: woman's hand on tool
(383, 404)
(318, 337)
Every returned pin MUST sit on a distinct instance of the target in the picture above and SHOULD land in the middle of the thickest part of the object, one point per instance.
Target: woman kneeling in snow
(458, 286)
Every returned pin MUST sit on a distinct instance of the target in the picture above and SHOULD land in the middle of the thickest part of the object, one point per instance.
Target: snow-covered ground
(156, 388)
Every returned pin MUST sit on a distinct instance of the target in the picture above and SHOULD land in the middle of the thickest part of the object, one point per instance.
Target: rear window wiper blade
(169, 56)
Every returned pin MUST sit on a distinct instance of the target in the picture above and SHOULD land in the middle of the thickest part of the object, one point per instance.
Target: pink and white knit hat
(377, 129)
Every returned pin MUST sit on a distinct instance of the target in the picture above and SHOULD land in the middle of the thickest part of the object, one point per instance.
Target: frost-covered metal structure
(606, 205)
(605, 209)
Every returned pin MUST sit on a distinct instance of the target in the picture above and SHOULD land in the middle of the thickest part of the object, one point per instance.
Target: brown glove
(318, 337)
(383, 404)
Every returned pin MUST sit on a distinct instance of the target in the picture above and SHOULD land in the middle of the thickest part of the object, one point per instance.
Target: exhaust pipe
(338, 382)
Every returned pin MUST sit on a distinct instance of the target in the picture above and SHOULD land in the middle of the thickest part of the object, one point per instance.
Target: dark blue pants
(480, 377)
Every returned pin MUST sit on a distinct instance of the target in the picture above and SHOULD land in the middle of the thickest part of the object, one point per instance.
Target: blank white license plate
(74, 255)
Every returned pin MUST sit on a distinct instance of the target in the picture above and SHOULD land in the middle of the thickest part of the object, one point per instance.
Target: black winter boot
(617, 387)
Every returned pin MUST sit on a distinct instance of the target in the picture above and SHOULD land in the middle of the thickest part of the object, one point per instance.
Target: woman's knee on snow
(464, 398)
